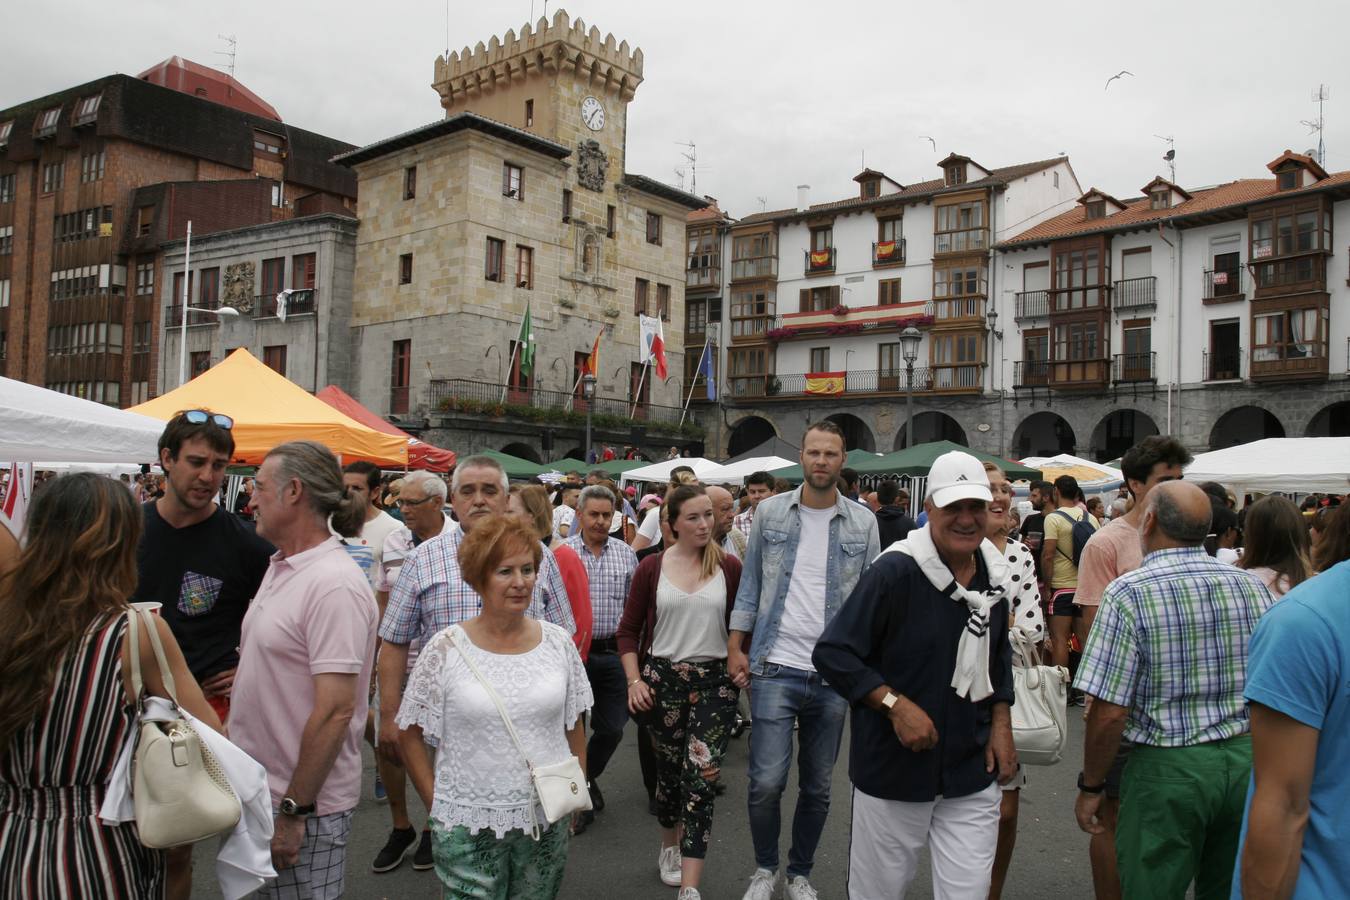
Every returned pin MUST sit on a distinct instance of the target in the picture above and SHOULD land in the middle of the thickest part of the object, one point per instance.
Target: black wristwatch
(1090, 789)
(290, 808)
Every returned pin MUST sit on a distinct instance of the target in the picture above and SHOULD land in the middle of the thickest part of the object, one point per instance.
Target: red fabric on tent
(421, 455)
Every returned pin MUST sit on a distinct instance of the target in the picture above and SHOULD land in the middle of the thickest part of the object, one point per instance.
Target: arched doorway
(1120, 431)
(1244, 424)
(524, 451)
(933, 426)
(857, 436)
(1331, 421)
(748, 434)
(1043, 434)
(577, 453)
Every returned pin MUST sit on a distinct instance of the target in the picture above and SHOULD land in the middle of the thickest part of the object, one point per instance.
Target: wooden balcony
(1078, 374)
(754, 268)
(1289, 362)
(703, 277)
(952, 310)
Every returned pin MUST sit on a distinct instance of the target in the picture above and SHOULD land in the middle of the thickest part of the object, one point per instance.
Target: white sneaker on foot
(688, 893)
(798, 888)
(669, 862)
(762, 885)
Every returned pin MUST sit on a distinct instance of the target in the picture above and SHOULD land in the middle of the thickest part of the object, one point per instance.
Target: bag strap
(137, 684)
(492, 694)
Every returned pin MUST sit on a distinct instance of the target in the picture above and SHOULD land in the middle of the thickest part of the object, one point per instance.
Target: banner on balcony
(885, 249)
(1220, 277)
(825, 382)
(820, 258)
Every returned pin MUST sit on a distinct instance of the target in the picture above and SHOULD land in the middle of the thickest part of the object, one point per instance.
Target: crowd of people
(477, 633)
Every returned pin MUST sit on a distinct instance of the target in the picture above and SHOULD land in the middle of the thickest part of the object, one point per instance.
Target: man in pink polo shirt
(305, 659)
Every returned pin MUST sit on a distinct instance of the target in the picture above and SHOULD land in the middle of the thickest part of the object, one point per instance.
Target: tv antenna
(763, 203)
(1170, 157)
(690, 155)
(1320, 96)
(232, 43)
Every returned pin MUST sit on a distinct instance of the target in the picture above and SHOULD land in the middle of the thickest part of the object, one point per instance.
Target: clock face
(593, 114)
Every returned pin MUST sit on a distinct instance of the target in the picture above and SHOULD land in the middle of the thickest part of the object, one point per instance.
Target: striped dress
(52, 778)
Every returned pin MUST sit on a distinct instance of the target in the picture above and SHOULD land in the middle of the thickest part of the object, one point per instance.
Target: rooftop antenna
(691, 156)
(1170, 157)
(1319, 96)
(763, 203)
(229, 54)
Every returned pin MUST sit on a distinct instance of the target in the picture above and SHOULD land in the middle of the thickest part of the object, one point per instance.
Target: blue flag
(705, 368)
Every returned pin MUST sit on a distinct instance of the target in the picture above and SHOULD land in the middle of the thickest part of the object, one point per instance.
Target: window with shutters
(888, 292)
(819, 299)
(820, 359)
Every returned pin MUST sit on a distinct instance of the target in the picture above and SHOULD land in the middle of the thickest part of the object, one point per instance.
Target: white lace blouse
(481, 779)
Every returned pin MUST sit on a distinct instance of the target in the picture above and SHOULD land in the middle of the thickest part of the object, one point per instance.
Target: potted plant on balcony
(773, 387)
(840, 310)
(776, 335)
(836, 329)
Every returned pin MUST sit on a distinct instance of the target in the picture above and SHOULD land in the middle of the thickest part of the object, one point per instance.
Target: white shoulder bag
(178, 791)
(1039, 717)
(561, 787)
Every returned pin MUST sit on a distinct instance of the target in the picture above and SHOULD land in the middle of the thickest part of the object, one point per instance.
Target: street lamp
(228, 312)
(588, 392)
(909, 348)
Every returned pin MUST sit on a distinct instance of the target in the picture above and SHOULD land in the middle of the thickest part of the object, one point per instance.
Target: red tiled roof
(1093, 192)
(710, 213)
(184, 75)
(1137, 212)
(1306, 162)
(1159, 180)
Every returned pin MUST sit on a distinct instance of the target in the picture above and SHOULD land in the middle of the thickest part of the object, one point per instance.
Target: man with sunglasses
(202, 564)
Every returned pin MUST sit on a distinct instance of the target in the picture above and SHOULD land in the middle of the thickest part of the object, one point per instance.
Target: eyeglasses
(202, 416)
(404, 504)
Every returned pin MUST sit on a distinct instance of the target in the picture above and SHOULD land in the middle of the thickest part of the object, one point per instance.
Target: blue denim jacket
(771, 553)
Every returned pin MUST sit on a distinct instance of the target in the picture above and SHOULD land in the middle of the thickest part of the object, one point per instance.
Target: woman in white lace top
(485, 815)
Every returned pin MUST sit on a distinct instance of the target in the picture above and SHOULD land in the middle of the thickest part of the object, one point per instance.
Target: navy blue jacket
(896, 629)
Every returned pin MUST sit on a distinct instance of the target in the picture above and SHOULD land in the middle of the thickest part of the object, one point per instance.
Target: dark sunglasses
(202, 416)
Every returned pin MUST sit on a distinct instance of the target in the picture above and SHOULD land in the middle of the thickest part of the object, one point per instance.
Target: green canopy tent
(614, 467)
(513, 466)
(917, 460)
(853, 459)
(565, 465)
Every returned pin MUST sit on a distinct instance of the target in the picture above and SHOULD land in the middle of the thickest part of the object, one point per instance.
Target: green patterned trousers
(483, 866)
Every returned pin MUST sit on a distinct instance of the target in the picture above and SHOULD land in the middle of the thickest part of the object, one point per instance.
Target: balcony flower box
(920, 321)
(777, 335)
(841, 328)
(840, 310)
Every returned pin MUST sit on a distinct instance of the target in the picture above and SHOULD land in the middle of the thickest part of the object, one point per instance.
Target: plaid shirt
(430, 594)
(744, 520)
(1170, 644)
(610, 575)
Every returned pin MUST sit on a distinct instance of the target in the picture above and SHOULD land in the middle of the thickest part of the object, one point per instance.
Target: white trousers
(887, 836)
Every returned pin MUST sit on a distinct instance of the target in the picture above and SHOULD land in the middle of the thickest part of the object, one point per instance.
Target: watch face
(592, 114)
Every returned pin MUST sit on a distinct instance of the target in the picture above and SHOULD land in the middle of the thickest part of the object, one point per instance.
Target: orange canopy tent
(421, 455)
(269, 410)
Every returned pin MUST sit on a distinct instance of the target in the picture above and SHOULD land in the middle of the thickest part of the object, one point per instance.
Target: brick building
(95, 178)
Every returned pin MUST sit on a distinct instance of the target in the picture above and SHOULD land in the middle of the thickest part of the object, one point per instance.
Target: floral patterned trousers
(695, 707)
(483, 866)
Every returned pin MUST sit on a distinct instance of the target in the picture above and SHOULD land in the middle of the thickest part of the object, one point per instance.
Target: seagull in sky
(1117, 75)
(924, 137)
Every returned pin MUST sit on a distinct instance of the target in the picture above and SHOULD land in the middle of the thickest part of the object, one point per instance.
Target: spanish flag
(885, 249)
(593, 361)
(820, 258)
(825, 382)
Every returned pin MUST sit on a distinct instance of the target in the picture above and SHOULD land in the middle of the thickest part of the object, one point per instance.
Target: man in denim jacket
(804, 556)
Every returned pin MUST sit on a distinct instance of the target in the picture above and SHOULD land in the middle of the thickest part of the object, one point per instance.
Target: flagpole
(509, 364)
(637, 395)
(571, 397)
(690, 398)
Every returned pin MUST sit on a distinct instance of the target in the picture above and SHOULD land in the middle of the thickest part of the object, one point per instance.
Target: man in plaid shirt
(758, 485)
(610, 564)
(1166, 663)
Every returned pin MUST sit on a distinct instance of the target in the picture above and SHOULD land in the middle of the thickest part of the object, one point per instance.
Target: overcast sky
(777, 94)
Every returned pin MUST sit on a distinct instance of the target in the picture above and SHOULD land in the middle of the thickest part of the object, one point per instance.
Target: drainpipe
(993, 301)
(1175, 381)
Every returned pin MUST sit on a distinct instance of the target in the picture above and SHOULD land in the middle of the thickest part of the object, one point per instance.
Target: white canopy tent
(1289, 465)
(37, 424)
(661, 471)
(734, 473)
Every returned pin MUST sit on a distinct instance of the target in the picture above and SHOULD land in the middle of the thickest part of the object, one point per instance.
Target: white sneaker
(798, 888)
(762, 885)
(669, 862)
(688, 893)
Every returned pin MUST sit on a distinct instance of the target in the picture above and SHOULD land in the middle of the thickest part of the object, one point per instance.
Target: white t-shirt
(373, 535)
(563, 515)
(651, 526)
(1228, 555)
(804, 607)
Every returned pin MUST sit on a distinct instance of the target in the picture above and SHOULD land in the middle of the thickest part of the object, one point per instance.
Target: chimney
(803, 196)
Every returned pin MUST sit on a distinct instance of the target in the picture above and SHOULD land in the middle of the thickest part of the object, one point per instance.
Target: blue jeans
(779, 698)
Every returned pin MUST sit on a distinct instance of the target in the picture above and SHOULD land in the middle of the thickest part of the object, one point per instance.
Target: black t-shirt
(1034, 524)
(205, 575)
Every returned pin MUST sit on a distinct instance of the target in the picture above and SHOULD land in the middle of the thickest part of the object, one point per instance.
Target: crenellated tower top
(546, 49)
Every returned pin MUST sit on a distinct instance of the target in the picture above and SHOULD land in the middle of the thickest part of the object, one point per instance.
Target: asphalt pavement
(615, 859)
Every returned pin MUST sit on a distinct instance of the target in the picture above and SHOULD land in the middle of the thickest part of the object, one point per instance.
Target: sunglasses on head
(202, 416)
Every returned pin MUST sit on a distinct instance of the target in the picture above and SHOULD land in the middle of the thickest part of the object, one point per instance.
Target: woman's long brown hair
(712, 554)
(1276, 538)
(78, 564)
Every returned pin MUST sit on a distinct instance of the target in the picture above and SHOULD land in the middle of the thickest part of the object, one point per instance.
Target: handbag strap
(492, 694)
(137, 684)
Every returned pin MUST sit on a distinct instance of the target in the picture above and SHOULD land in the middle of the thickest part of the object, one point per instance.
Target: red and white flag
(14, 504)
(653, 344)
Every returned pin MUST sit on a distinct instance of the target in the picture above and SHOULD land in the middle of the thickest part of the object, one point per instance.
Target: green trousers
(483, 866)
(1181, 819)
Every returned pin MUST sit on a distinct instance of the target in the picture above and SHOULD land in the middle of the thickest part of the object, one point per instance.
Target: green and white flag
(526, 343)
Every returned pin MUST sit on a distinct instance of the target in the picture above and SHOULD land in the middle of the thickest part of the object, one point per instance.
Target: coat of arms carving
(591, 165)
(237, 286)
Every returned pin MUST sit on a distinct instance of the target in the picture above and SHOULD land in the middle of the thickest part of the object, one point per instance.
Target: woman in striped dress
(65, 697)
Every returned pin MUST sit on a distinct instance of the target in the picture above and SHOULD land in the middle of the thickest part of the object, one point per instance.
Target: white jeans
(887, 836)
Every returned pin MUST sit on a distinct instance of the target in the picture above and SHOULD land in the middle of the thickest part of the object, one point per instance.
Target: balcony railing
(1032, 305)
(703, 276)
(300, 302)
(1079, 373)
(1300, 273)
(754, 267)
(173, 315)
(1132, 368)
(1223, 284)
(819, 261)
(1223, 365)
(948, 308)
(961, 241)
(1031, 373)
(1301, 361)
(476, 396)
(866, 381)
(1136, 293)
(888, 253)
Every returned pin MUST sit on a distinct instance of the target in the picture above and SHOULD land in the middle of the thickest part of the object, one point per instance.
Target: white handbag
(561, 786)
(1039, 717)
(178, 791)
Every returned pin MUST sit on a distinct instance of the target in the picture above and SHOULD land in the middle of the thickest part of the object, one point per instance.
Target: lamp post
(588, 392)
(227, 311)
(909, 348)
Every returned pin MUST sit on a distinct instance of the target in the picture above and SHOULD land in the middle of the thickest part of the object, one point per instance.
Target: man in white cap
(923, 639)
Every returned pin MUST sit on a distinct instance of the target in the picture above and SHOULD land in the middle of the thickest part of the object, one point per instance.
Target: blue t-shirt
(1299, 665)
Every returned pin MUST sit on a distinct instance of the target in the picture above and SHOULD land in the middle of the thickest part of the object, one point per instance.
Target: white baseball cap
(957, 476)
